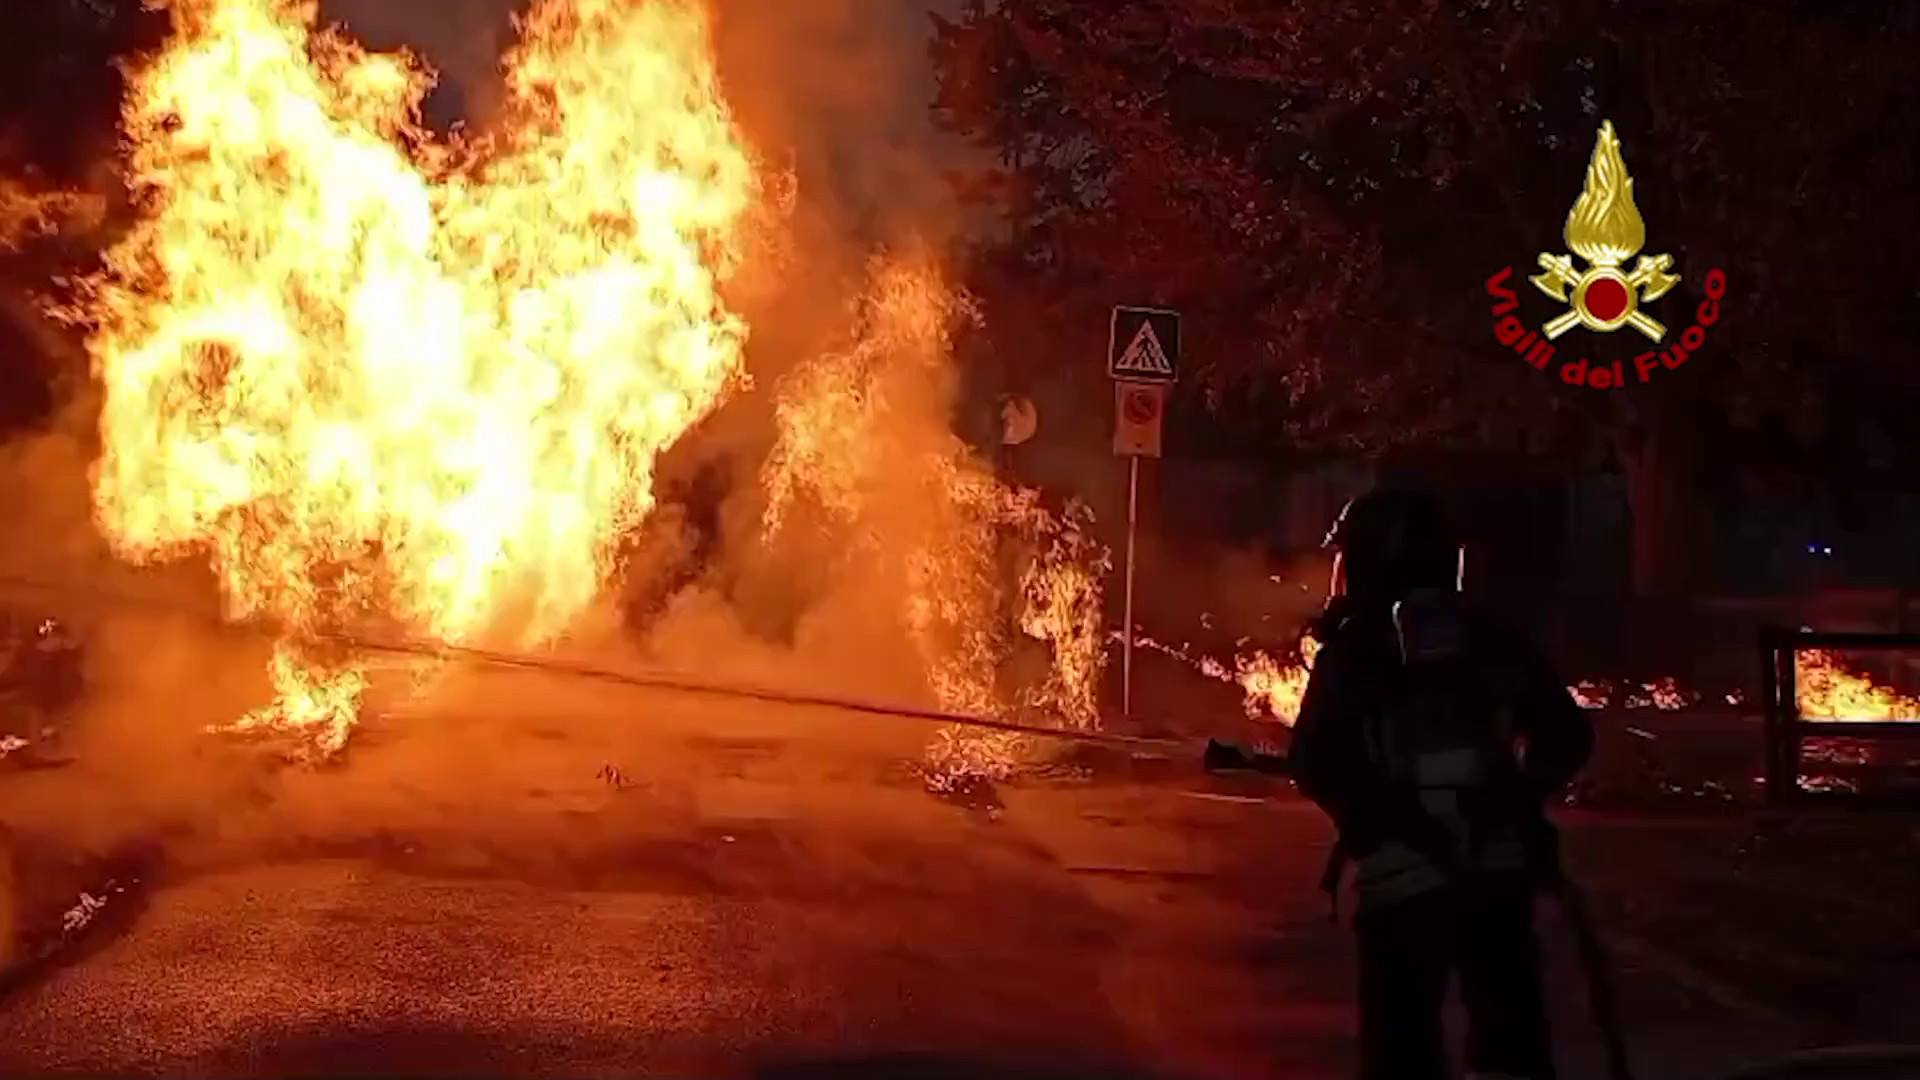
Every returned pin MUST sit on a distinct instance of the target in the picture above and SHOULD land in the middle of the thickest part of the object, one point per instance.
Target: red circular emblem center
(1141, 406)
(1606, 299)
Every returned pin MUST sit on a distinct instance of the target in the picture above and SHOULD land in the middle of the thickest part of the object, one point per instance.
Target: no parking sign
(1139, 408)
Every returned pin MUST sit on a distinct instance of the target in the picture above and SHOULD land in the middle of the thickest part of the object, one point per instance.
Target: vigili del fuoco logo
(1604, 229)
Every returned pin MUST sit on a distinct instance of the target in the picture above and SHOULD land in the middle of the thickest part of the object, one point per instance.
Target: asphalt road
(765, 892)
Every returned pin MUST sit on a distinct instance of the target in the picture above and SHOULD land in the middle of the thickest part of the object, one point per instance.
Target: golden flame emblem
(1605, 229)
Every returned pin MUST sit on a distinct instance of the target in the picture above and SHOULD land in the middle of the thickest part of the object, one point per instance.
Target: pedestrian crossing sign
(1143, 345)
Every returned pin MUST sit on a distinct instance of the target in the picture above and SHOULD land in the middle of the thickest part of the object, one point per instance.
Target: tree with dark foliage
(60, 96)
(60, 79)
(1324, 188)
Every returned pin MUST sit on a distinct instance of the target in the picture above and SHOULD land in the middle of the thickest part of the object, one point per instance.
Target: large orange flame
(369, 372)
(1829, 691)
(863, 437)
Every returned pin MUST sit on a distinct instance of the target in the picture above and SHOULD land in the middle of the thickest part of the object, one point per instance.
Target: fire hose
(622, 676)
(1858, 1061)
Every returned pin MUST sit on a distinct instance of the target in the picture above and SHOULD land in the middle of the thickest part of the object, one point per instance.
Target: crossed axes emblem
(1605, 229)
(1603, 298)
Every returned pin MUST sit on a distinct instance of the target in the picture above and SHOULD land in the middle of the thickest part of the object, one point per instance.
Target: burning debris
(964, 762)
(79, 915)
(1589, 694)
(51, 902)
(1837, 752)
(1273, 686)
(1663, 694)
(1828, 690)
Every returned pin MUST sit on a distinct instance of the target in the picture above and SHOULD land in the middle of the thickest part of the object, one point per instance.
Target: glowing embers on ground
(1664, 694)
(392, 382)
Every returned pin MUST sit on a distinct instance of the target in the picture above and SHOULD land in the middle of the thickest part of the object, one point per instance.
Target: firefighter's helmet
(1395, 539)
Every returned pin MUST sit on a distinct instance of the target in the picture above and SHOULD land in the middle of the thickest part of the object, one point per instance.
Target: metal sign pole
(1143, 360)
(1126, 646)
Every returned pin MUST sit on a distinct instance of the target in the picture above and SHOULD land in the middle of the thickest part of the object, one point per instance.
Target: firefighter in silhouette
(1433, 735)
